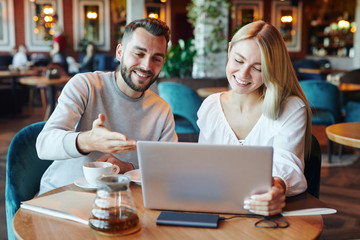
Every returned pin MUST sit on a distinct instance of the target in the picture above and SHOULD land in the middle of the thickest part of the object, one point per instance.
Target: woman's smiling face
(243, 69)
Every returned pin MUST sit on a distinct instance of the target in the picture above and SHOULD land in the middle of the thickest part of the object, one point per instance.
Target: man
(97, 112)
(20, 59)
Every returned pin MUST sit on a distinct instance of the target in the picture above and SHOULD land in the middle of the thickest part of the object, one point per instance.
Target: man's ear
(119, 51)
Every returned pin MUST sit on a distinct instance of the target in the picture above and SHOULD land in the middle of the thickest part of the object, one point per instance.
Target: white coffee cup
(93, 170)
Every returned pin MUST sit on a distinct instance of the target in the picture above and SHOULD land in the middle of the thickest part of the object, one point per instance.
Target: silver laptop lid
(202, 177)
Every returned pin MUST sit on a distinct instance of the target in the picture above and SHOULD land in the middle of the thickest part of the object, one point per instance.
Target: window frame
(8, 22)
(277, 6)
(238, 5)
(104, 23)
(32, 43)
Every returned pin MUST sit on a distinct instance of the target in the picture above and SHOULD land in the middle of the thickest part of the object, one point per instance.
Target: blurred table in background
(42, 81)
(349, 87)
(205, 92)
(321, 70)
(347, 134)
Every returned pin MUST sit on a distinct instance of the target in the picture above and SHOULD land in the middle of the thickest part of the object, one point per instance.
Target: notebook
(202, 177)
(71, 205)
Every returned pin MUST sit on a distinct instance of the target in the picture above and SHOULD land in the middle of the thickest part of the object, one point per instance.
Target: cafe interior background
(321, 33)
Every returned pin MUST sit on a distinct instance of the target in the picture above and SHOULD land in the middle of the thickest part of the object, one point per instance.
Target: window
(92, 23)
(7, 29)
(40, 16)
(155, 10)
(287, 19)
(244, 11)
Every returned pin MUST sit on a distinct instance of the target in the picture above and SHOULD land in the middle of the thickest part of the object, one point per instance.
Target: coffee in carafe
(114, 211)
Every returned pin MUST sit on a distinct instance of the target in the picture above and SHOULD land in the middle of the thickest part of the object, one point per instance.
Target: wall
(178, 24)
(68, 26)
(180, 27)
(356, 62)
(19, 23)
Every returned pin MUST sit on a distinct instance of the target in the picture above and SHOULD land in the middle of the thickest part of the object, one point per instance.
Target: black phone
(188, 219)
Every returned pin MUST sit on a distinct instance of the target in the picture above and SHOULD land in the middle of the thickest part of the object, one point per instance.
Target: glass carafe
(114, 211)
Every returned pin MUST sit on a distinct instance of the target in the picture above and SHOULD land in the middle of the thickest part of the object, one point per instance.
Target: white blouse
(286, 135)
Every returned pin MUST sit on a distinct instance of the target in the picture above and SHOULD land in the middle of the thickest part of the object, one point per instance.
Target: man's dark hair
(154, 26)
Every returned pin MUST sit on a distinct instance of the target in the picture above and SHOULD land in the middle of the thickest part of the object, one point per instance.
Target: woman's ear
(229, 48)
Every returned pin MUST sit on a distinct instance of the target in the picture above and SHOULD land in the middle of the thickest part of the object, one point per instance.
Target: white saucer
(81, 182)
(134, 175)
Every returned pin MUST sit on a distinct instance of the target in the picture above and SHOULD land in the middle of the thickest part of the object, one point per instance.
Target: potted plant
(179, 60)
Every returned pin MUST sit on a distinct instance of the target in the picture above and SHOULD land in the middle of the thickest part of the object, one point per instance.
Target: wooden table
(347, 134)
(11, 74)
(349, 87)
(205, 92)
(50, 83)
(32, 225)
(321, 70)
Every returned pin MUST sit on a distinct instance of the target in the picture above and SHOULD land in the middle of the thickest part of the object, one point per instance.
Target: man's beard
(126, 75)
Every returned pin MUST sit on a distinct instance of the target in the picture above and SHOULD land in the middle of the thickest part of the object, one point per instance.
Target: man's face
(141, 59)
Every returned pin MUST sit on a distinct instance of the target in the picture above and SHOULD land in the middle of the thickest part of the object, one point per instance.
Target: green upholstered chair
(312, 169)
(23, 171)
(324, 100)
(184, 103)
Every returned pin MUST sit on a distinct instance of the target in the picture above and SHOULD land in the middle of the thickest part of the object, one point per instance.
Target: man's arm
(59, 140)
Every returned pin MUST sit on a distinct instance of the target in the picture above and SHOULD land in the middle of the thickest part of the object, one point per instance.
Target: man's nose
(146, 63)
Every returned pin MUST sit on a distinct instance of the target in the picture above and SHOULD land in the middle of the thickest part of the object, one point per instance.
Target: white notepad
(71, 205)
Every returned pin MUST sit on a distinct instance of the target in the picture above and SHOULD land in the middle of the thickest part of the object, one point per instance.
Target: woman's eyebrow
(241, 56)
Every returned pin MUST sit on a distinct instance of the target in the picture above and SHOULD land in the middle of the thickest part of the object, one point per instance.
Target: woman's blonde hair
(277, 72)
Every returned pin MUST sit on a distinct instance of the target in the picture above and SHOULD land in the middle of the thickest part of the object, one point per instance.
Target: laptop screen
(202, 177)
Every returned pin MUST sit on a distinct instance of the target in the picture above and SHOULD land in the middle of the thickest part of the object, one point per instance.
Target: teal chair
(184, 103)
(351, 77)
(24, 170)
(324, 100)
(312, 169)
(352, 112)
(310, 64)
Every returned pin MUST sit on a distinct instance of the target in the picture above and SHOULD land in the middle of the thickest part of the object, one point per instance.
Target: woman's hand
(270, 203)
(124, 166)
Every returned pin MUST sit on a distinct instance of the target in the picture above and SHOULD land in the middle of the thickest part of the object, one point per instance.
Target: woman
(59, 44)
(266, 106)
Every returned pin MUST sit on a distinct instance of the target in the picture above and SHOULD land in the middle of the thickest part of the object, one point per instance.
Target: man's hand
(99, 138)
(270, 203)
(124, 166)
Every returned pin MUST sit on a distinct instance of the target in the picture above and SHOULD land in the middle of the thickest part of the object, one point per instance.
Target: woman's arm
(288, 161)
(56, 48)
(270, 203)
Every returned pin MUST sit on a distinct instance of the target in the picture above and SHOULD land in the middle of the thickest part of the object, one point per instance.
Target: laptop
(199, 177)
